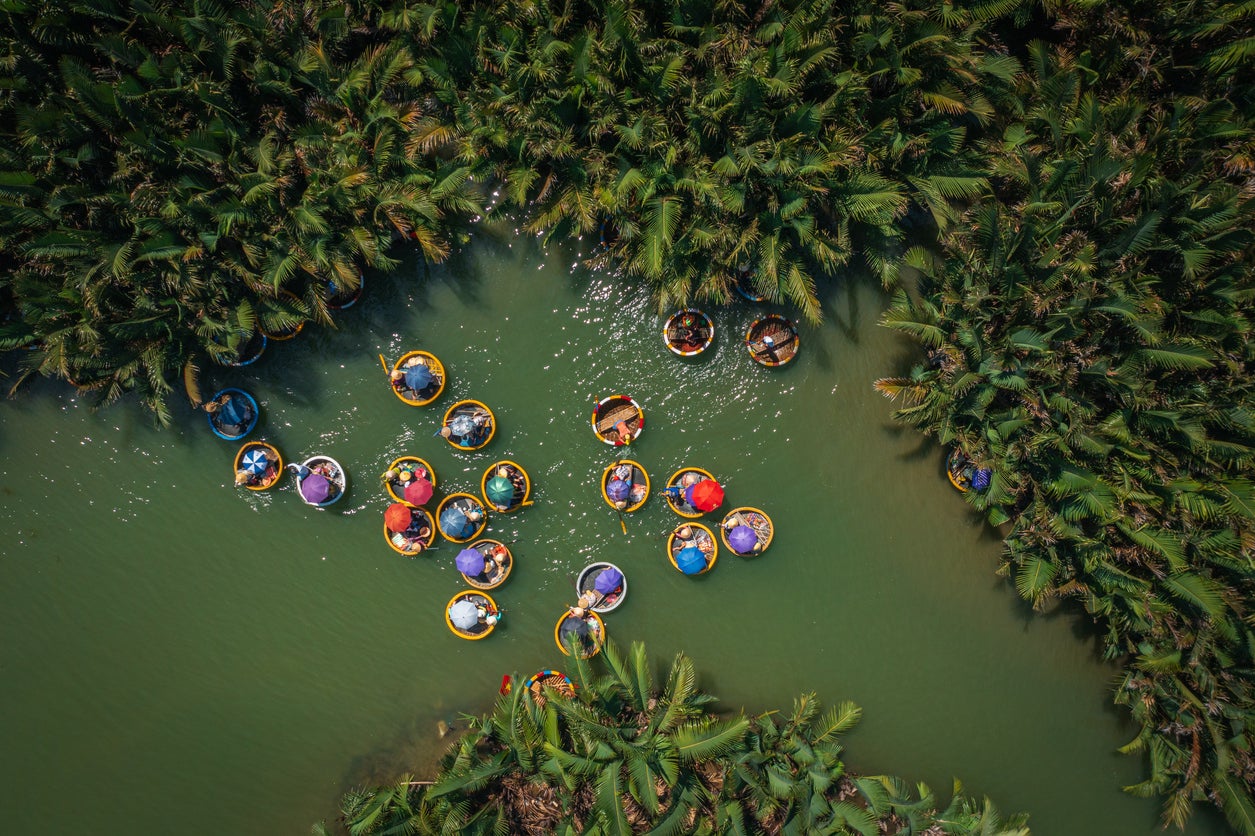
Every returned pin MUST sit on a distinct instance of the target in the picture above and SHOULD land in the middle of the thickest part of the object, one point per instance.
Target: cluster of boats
(771, 340)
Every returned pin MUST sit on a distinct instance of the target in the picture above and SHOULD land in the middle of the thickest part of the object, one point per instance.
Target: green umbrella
(500, 490)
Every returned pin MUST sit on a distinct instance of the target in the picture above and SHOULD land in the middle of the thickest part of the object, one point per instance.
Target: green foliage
(618, 768)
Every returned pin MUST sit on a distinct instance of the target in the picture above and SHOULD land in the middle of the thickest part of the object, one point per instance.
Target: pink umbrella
(417, 491)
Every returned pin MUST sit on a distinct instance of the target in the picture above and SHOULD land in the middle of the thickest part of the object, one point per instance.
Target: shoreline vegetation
(624, 754)
(1059, 193)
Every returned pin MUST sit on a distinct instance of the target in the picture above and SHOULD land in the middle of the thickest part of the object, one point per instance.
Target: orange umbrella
(398, 517)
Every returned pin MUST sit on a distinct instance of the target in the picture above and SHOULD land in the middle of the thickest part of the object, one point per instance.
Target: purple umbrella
(608, 581)
(470, 562)
(315, 488)
(618, 490)
(742, 539)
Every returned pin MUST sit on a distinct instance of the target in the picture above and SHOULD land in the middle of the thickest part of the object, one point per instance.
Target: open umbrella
(255, 461)
(315, 488)
(234, 412)
(706, 495)
(500, 490)
(691, 560)
(462, 425)
(417, 377)
(463, 614)
(608, 581)
(470, 562)
(618, 490)
(398, 517)
(418, 491)
(742, 539)
(455, 523)
(577, 627)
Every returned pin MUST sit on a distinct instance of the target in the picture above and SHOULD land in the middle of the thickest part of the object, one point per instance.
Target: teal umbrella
(500, 490)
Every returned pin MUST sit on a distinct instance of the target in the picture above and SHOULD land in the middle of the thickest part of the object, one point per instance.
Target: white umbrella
(463, 614)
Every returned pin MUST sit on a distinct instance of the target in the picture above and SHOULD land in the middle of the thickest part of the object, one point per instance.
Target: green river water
(181, 656)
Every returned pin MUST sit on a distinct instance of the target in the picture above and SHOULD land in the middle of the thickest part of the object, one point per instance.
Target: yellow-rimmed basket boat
(486, 615)
(269, 474)
(470, 423)
(557, 680)
(473, 511)
(412, 541)
(429, 392)
(514, 495)
(959, 469)
(680, 505)
(772, 340)
(756, 520)
(688, 332)
(589, 632)
(495, 571)
(637, 479)
(414, 467)
(618, 420)
(700, 538)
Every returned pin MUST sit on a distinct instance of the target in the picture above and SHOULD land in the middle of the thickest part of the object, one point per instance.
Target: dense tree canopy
(1065, 186)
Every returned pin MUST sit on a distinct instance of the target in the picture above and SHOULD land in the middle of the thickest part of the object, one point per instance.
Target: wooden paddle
(384, 363)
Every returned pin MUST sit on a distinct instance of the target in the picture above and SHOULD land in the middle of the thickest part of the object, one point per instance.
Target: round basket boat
(473, 511)
(262, 473)
(340, 298)
(682, 479)
(508, 496)
(416, 537)
(280, 334)
(324, 491)
(743, 284)
(589, 633)
(618, 420)
(557, 680)
(407, 468)
(772, 340)
(486, 615)
(427, 392)
(959, 469)
(635, 476)
(700, 538)
(688, 332)
(470, 425)
(753, 519)
(232, 413)
(601, 602)
(495, 572)
(249, 352)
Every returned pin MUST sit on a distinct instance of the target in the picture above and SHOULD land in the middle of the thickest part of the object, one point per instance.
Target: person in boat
(516, 479)
(245, 477)
(624, 431)
(245, 412)
(638, 494)
(767, 347)
(474, 513)
(417, 541)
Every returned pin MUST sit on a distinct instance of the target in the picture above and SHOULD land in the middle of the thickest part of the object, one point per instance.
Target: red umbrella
(417, 491)
(397, 517)
(706, 495)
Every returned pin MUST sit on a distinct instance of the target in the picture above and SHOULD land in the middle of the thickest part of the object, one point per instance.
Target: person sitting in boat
(397, 377)
(243, 412)
(768, 347)
(417, 541)
(624, 431)
(474, 513)
(245, 477)
(639, 491)
(674, 492)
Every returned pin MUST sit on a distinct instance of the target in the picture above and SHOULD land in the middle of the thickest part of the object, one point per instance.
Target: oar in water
(384, 363)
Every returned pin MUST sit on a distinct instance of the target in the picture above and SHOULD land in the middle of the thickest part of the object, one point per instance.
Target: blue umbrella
(742, 539)
(455, 522)
(417, 377)
(618, 490)
(608, 581)
(234, 411)
(470, 562)
(691, 560)
(980, 479)
(255, 461)
(463, 614)
(462, 424)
